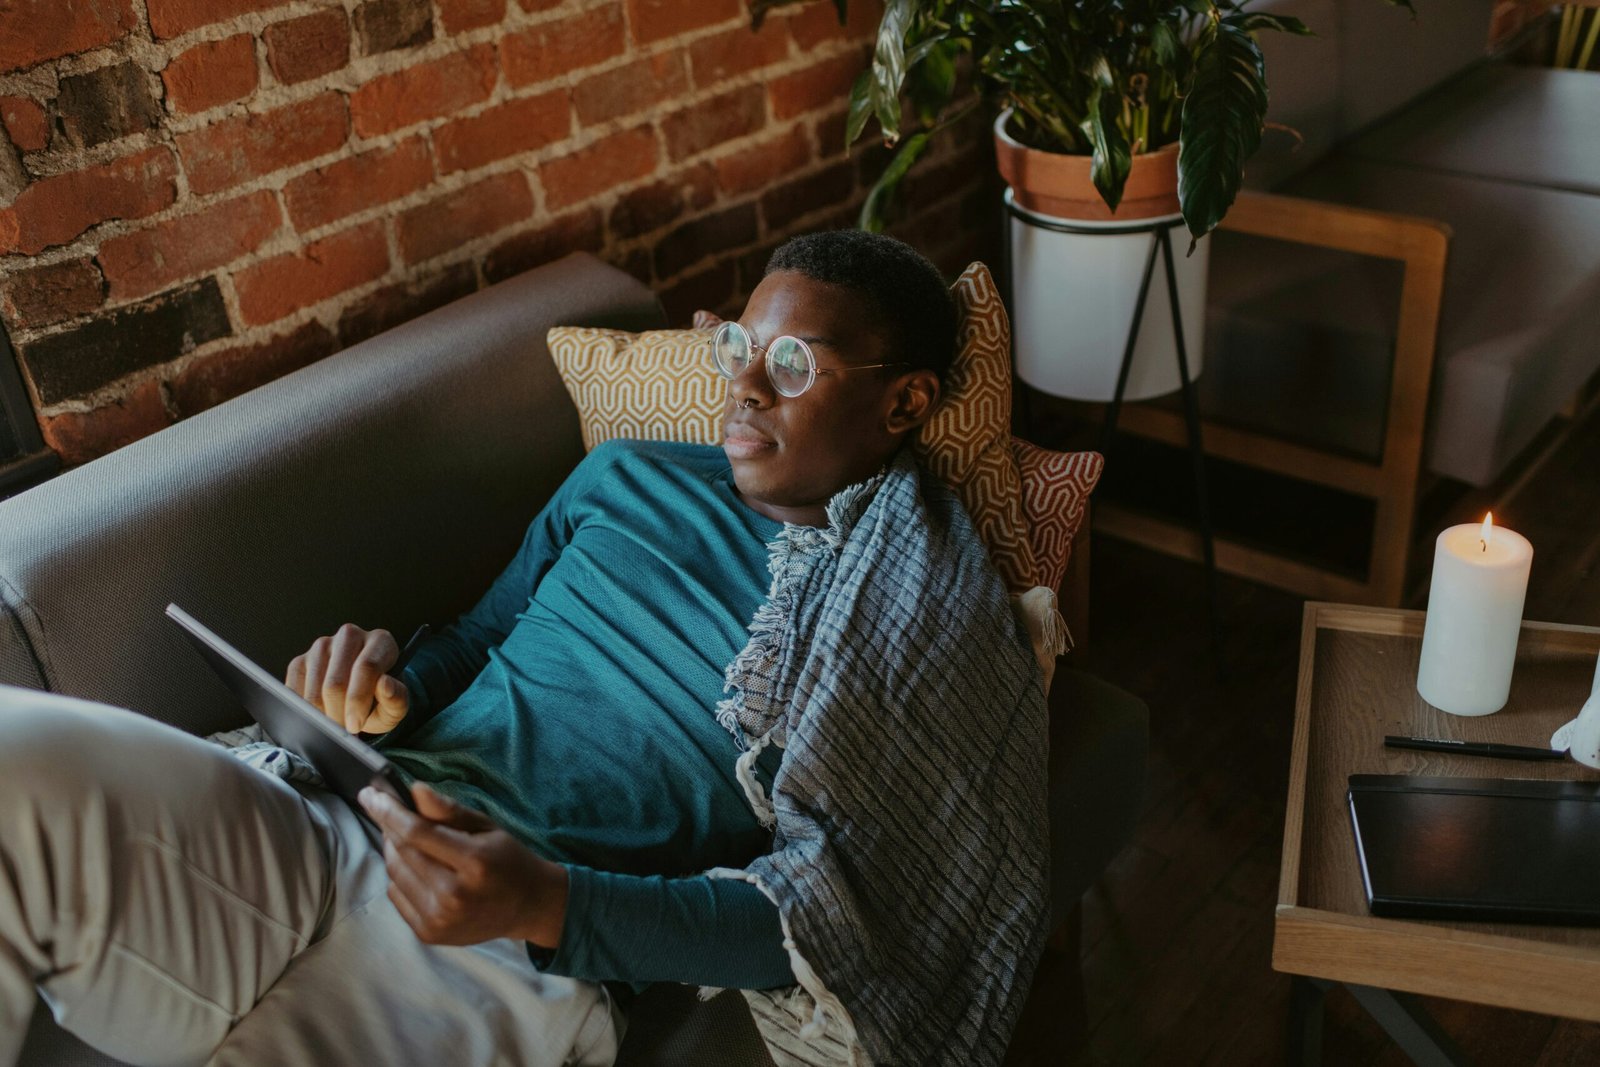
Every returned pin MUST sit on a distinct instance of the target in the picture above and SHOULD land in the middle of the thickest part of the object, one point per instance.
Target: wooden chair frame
(1420, 245)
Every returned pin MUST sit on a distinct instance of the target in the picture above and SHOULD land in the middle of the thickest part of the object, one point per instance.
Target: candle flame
(1486, 533)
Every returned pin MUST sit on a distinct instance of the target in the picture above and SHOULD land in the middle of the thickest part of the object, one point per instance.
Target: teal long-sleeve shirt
(575, 705)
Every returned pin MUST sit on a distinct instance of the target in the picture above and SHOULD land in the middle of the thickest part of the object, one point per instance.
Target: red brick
(651, 207)
(818, 85)
(389, 25)
(590, 171)
(712, 122)
(762, 164)
(26, 121)
(461, 15)
(169, 18)
(105, 104)
(538, 5)
(425, 91)
(308, 47)
(356, 183)
(697, 238)
(32, 31)
(831, 129)
(451, 221)
(44, 296)
(815, 24)
(554, 48)
(238, 149)
(828, 187)
(268, 291)
(211, 73)
(575, 232)
(655, 20)
(386, 308)
(175, 250)
(710, 288)
(53, 211)
(512, 127)
(79, 436)
(733, 52)
(209, 381)
(629, 88)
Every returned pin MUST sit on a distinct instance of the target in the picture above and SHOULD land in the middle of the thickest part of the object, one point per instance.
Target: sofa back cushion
(387, 484)
(1387, 58)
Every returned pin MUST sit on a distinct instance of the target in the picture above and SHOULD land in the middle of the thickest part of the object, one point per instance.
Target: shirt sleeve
(643, 929)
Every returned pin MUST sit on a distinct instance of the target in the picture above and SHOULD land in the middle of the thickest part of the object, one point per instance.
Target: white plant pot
(1073, 297)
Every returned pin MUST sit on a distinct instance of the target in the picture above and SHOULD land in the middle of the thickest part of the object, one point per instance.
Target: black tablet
(346, 763)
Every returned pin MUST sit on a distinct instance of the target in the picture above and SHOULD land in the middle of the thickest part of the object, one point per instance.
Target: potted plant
(1112, 111)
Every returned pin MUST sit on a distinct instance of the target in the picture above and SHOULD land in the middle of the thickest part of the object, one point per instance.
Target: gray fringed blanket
(910, 853)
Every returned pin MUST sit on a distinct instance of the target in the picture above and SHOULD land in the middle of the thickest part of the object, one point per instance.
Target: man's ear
(914, 402)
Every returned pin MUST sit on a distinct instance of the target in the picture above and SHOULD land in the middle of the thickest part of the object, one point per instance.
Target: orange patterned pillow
(653, 386)
(967, 442)
(1055, 490)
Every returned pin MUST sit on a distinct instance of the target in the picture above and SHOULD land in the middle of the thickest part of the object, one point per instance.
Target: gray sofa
(387, 485)
(1412, 117)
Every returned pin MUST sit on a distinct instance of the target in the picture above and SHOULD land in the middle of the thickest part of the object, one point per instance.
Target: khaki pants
(174, 906)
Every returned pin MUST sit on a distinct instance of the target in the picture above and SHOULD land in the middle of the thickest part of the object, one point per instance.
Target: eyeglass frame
(814, 372)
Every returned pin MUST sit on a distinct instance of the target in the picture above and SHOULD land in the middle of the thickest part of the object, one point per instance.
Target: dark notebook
(1478, 849)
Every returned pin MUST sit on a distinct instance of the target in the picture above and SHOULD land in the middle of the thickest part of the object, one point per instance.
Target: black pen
(407, 652)
(1473, 748)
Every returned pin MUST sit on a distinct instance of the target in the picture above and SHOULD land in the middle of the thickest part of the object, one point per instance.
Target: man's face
(791, 454)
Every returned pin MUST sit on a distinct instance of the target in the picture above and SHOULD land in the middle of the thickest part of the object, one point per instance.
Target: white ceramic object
(1073, 297)
(1581, 736)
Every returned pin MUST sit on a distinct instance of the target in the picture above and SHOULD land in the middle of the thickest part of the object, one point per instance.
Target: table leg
(1412, 1028)
(1306, 997)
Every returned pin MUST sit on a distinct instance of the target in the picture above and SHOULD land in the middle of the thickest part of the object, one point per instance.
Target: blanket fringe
(827, 1008)
(745, 770)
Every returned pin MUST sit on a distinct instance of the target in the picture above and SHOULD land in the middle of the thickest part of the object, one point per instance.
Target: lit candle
(1469, 642)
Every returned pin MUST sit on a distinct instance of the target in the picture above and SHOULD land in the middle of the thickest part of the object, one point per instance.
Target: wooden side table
(1358, 671)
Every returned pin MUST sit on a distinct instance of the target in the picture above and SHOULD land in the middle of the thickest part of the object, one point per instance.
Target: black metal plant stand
(1160, 238)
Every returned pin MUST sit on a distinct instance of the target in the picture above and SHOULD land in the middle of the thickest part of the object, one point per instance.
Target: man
(584, 801)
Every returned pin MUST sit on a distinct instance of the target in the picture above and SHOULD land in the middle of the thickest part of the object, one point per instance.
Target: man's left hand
(458, 879)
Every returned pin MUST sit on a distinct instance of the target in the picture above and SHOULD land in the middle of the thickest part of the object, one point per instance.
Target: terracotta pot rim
(1003, 134)
(1058, 184)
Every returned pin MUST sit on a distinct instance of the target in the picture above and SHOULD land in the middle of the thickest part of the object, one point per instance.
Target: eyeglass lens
(788, 363)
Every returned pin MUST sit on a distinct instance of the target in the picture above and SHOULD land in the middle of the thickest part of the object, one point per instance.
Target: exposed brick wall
(197, 196)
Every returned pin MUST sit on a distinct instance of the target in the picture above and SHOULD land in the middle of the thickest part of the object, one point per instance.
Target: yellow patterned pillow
(653, 386)
(967, 442)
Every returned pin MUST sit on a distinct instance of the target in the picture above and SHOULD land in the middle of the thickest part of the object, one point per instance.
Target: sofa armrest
(384, 485)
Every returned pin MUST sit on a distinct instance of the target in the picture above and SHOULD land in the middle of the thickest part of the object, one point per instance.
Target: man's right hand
(343, 675)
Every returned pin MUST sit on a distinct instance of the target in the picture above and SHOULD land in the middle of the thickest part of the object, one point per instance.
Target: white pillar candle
(1469, 642)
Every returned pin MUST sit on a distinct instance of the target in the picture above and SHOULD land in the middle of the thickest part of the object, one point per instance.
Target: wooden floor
(1178, 935)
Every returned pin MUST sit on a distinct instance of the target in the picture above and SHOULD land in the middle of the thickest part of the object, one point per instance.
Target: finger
(378, 651)
(316, 666)
(408, 911)
(394, 701)
(450, 847)
(347, 644)
(420, 878)
(295, 676)
(437, 807)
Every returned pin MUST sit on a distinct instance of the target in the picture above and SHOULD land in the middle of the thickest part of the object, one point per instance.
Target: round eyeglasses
(791, 366)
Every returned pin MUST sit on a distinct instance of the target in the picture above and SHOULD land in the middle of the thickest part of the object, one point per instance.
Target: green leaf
(1170, 51)
(1256, 20)
(889, 65)
(1112, 159)
(860, 107)
(1222, 119)
(883, 191)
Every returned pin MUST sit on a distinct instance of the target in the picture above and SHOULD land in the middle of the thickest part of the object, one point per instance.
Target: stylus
(1473, 748)
(407, 652)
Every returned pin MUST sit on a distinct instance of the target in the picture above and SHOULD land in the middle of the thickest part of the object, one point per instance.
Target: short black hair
(905, 291)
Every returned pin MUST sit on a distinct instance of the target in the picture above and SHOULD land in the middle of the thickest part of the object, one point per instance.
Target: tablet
(346, 763)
